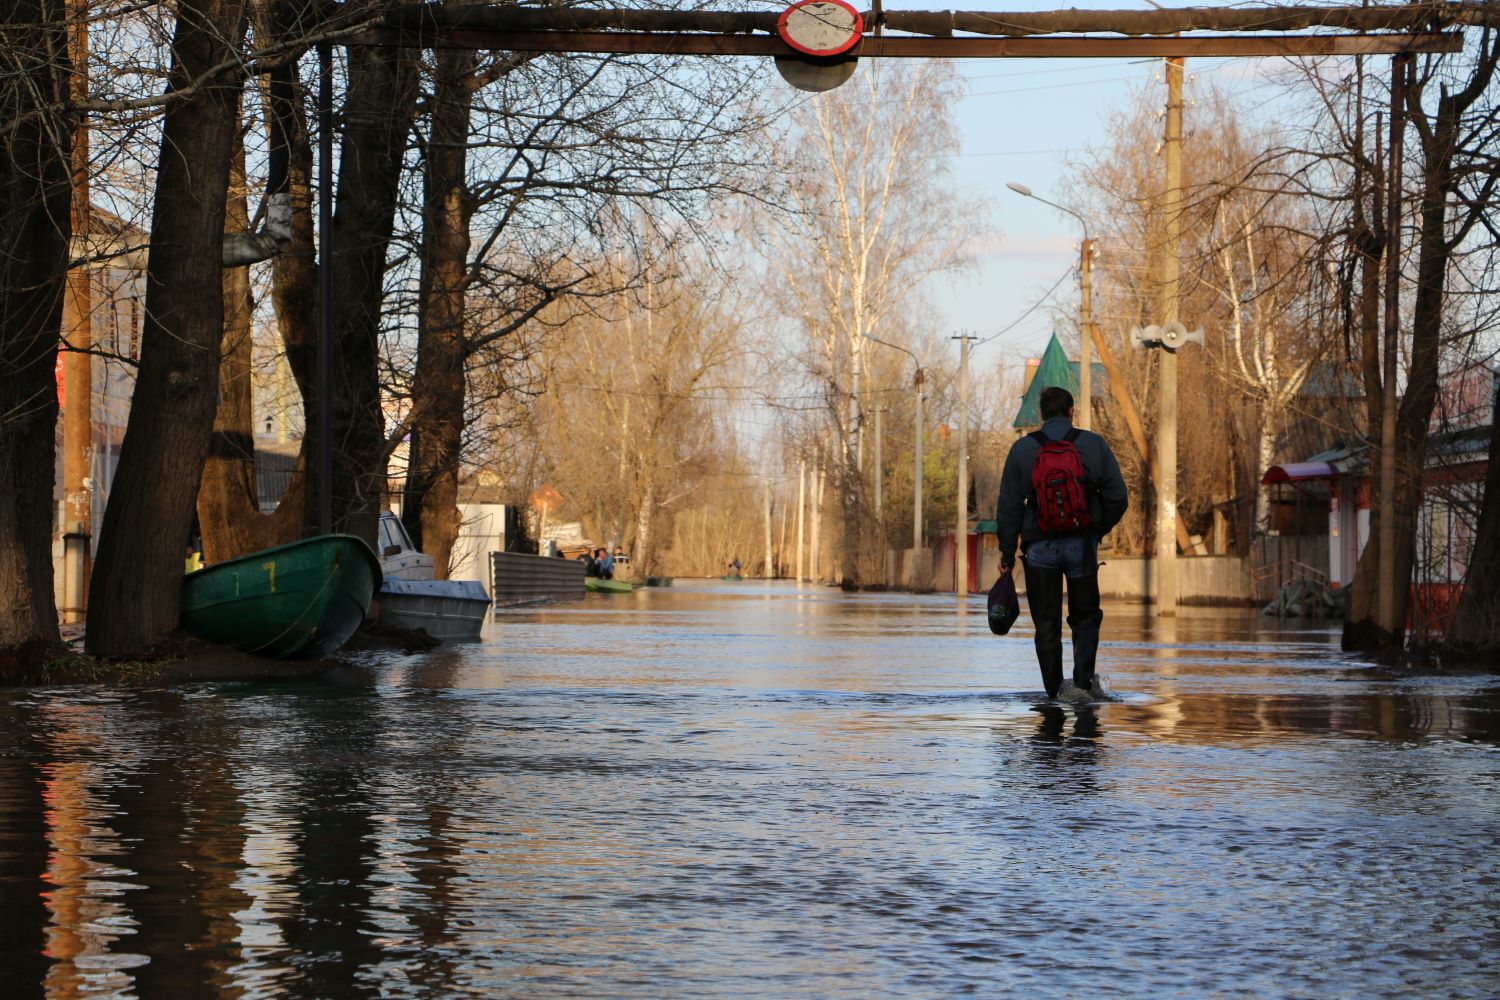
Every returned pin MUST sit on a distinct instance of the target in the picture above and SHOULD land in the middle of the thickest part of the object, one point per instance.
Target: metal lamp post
(1085, 307)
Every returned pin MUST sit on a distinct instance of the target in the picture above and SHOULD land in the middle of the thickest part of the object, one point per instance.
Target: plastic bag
(1004, 606)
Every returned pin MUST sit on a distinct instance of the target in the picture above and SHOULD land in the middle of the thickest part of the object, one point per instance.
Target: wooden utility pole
(770, 573)
(1386, 567)
(879, 473)
(1166, 432)
(1132, 420)
(801, 516)
(78, 370)
(1085, 411)
(961, 535)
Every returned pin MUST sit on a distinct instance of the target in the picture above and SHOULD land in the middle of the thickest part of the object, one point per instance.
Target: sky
(1024, 120)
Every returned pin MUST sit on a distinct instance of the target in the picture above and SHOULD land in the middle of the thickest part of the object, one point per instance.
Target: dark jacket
(1103, 484)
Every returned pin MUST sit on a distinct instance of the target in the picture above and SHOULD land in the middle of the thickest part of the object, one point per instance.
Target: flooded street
(743, 790)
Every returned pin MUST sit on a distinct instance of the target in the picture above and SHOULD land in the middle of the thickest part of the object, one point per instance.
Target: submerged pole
(801, 516)
(325, 288)
(961, 534)
(78, 373)
(1386, 566)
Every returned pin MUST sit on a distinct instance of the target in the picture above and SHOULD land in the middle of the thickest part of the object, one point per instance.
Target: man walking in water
(1060, 493)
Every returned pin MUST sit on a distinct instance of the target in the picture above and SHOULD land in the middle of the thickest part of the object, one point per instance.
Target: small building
(1321, 510)
(1054, 368)
(1320, 514)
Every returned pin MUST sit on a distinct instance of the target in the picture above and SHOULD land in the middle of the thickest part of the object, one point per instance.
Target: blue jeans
(1048, 561)
(1073, 554)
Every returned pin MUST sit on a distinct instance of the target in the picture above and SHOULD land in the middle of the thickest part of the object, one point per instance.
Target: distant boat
(447, 610)
(289, 602)
(658, 581)
(736, 576)
(596, 585)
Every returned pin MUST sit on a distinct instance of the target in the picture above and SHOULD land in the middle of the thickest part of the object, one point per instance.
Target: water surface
(750, 790)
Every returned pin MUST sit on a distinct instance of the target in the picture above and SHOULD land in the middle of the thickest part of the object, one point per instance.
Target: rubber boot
(1084, 619)
(1044, 589)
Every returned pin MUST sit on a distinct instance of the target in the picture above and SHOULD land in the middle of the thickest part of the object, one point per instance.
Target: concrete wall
(916, 569)
(1200, 579)
(526, 579)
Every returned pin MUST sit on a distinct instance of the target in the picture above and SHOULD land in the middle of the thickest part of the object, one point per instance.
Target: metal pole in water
(916, 514)
(961, 531)
(770, 573)
(1385, 593)
(801, 516)
(325, 288)
(78, 372)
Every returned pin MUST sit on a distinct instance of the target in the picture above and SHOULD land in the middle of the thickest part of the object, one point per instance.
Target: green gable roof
(1055, 369)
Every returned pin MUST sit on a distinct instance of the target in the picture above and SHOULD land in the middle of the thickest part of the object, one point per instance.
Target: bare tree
(133, 596)
(632, 392)
(1442, 219)
(534, 170)
(870, 220)
(35, 190)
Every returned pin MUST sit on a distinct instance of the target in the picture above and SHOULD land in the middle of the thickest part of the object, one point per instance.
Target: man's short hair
(1055, 402)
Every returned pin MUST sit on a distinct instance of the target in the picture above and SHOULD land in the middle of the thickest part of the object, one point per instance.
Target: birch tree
(870, 219)
(1266, 345)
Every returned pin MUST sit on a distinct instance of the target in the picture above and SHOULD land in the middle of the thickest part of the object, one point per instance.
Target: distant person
(606, 564)
(194, 560)
(734, 566)
(590, 564)
(1060, 493)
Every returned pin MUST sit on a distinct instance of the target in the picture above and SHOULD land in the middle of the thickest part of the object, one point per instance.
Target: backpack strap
(1073, 435)
(1039, 438)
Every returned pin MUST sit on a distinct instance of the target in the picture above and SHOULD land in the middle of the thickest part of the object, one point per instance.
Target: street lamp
(916, 520)
(1085, 308)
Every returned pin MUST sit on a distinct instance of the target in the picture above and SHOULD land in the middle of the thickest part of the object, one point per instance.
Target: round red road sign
(820, 27)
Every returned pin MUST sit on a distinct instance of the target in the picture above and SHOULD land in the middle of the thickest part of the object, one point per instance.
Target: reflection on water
(751, 790)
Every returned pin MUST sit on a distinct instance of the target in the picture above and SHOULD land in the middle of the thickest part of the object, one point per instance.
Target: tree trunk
(229, 514)
(1475, 628)
(134, 590)
(35, 193)
(643, 556)
(851, 546)
(378, 109)
(1362, 629)
(431, 509)
(1265, 455)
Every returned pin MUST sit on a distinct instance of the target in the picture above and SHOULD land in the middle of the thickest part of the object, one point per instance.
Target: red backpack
(1062, 507)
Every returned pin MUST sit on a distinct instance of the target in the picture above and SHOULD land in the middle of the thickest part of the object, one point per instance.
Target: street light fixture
(916, 520)
(1085, 308)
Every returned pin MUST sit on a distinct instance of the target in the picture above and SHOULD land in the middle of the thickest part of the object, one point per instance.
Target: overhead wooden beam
(1425, 16)
(899, 46)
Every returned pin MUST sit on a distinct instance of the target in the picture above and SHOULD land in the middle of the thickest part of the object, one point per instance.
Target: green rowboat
(595, 585)
(290, 602)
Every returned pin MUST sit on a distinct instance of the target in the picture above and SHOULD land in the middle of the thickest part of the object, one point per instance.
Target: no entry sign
(820, 27)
